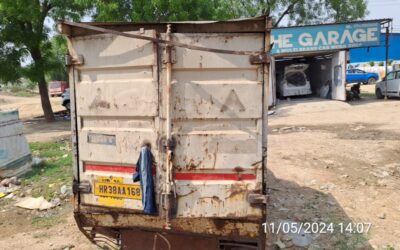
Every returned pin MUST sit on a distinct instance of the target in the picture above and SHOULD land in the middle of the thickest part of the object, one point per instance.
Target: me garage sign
(326, 37)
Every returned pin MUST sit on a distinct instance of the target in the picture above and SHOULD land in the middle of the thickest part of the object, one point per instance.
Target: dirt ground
(328, 161)
(333, 162)
(40, 131)
(28, 106)
(34, 230)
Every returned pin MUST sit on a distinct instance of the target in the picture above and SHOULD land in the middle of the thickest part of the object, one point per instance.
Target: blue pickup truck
(358, 75)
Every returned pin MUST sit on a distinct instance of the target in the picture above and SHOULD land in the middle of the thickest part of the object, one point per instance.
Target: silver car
(393, 86)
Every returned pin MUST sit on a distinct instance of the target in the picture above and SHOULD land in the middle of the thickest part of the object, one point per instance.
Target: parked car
(393, 85)
(66, 99)
(295, 81)
(56, 88)
(358, 75)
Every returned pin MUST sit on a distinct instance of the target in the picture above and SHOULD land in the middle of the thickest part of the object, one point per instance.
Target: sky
(385, 9)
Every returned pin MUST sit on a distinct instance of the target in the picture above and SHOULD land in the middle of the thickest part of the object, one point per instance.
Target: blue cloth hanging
(144, 173)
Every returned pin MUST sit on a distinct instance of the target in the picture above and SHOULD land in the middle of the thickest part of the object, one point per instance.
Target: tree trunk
(43, 90)
(44, 98)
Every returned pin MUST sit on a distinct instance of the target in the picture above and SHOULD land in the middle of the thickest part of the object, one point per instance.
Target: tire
(371, 81)
(378, 94)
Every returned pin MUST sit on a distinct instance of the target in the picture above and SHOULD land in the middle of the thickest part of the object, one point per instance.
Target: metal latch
(166, 57)
(257, 198)
(82, 187)
(260, 58)
(69, 60)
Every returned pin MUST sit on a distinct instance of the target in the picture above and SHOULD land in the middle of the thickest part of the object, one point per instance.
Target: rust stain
(213, 199)
(238, 169)
(219, 224)
(183, 195)
(115, 216)
(191, 166)
(215, 156)
(237, 189)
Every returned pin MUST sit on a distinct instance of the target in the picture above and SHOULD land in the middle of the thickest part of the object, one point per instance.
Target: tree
(295, 11)
(156, 10)
(25, 47)
(56, 59)
(299, 11)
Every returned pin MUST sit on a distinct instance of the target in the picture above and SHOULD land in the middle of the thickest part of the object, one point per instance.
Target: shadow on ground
(317, 210)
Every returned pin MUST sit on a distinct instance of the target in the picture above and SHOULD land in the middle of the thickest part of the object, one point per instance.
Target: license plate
(118, 190)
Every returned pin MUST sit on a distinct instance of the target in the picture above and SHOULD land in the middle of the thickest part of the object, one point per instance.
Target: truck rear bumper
(145, 240)
(128, 228)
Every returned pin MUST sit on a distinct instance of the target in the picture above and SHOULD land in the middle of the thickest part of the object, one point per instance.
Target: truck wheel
(378, 94)
(371, 81)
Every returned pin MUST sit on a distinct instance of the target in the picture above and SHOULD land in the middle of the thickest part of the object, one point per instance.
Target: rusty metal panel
(106, 50)
(116, 90)
(211, 85)
(217, 112)
(216, 199)
(118, 97)
(231, 228)
(142, 240)
(195, 59)
(114, 143)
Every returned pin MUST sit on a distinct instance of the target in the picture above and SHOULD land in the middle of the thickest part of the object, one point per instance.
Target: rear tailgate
(216, 108)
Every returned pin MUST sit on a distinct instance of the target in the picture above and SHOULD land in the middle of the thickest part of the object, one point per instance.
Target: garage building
(311, 60)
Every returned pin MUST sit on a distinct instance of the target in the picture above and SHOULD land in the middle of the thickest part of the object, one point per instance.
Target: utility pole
(387, 61)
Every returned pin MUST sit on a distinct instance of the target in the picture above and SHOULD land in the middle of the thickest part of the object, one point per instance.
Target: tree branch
(268, 11)
(287, 11)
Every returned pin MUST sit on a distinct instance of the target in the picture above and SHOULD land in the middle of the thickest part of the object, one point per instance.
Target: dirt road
(28, 106)
(333, 162)
(34, 230)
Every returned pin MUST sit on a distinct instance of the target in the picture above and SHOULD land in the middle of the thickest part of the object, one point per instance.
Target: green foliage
(55, 171)
(21, 87)
(372, 64)
(158, 10)
(381, 64)
(25, 36)
(298, 11)
(48, 221)
(56, 70)
(25, 48)
(19, 90)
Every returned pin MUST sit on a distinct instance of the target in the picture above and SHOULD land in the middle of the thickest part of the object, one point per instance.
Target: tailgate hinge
(260, 58)
(82, 187)
(257, 198)
(69, 60)
(169, 58)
